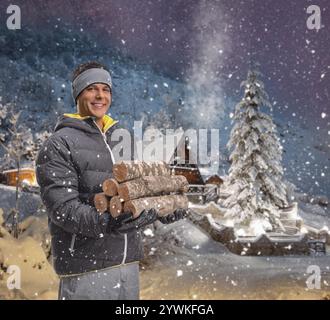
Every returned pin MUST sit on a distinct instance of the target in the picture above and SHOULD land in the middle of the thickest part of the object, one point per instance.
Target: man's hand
(178, 214)
(125, 223)
(116, 223)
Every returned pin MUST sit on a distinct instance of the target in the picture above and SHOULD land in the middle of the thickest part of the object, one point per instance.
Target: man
(95, 255)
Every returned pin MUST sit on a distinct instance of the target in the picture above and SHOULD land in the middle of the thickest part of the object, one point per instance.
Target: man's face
(94, 101)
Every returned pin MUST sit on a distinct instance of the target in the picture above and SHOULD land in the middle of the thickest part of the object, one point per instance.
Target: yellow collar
(108, 122)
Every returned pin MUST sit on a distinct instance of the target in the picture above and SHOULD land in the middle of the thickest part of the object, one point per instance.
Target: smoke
(210, 45)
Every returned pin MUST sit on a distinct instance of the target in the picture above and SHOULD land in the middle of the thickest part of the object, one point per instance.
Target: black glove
(118, 222)
(127, 224)
(178, 214)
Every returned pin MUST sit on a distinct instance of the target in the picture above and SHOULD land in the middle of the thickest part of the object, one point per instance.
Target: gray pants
(116, 283)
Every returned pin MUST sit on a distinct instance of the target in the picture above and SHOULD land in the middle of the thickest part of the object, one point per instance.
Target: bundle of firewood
(138, 186)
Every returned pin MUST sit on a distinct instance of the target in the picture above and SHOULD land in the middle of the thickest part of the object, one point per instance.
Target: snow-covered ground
(24, 262)
(182, 262)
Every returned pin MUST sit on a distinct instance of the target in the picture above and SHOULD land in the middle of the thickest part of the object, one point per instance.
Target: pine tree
(255, 176)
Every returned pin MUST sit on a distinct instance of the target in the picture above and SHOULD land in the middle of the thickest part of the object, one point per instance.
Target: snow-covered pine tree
(255, 176)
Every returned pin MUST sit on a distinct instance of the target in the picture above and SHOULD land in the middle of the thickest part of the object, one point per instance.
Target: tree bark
(163, 204)
(116, 206)
(110, 187)
(152, 186)
(128, 170)
(101, 202)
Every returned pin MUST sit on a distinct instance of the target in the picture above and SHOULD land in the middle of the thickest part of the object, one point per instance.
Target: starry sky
(212, 41)
(210, 45)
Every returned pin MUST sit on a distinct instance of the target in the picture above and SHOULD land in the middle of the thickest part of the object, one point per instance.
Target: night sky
(211, 43)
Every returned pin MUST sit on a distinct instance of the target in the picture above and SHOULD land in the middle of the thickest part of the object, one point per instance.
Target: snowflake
(234, 283)
(148, 232)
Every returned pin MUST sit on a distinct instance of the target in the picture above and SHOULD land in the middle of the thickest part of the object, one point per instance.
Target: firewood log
(163, 204)
(110, 187)
(147, 186)
(116, 206)
(101, 202)
(128, 170)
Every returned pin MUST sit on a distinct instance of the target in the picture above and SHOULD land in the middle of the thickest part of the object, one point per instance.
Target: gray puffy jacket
(70, 169)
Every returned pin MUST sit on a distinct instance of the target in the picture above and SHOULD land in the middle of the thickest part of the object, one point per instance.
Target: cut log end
(120, 171)
(116, 206)
(101, 202)
(110, 187)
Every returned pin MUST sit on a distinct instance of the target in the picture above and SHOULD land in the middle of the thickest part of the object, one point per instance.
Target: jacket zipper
(113, 162)
(73, 240)
(125, 249)
(105, 141)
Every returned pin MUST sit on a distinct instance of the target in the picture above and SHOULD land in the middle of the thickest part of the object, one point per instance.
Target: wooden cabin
(199, 189)
(28, 175)
(182, 159)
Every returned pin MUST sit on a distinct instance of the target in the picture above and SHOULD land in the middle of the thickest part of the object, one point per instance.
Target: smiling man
(95, 255)
(95, 100)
